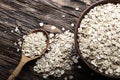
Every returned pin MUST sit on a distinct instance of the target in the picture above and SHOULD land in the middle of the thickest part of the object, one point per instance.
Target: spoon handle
(17, 70)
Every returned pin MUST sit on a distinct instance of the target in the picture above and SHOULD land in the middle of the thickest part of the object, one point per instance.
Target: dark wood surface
(26, 15)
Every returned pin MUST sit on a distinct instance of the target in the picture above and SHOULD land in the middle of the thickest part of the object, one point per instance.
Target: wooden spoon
(26, 59)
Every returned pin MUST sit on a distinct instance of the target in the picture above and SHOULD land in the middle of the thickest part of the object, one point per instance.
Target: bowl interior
(76, 32)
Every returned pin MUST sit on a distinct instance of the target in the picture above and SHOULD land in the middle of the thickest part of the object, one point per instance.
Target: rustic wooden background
(26, 15)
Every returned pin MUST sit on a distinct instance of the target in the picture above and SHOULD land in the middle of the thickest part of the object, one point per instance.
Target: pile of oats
(33, 44)
(59, 56)
(99, 38)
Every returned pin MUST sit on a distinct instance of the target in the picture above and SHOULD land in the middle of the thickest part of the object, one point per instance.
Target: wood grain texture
(26, 15)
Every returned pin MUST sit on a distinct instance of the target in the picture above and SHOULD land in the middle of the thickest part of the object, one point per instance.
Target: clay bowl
(89, 66)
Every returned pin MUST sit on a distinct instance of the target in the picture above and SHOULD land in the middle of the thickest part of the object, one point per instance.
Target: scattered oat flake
(72, 24)
(18, 49)
(5, 31)
(63, 28)
(17, 30)
(41, 24)
(6, 22)
(79, 67)
(20, 43)
(63, 16)
(15, 43)
(51, 35)
(76, 8)
(12, 31)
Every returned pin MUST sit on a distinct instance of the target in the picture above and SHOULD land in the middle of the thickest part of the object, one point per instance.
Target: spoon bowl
(25, 59)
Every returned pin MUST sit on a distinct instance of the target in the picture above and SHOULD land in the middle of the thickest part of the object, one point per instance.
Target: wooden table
(26, 15)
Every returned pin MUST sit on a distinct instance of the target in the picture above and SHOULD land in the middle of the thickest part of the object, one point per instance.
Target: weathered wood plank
(26, 15)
